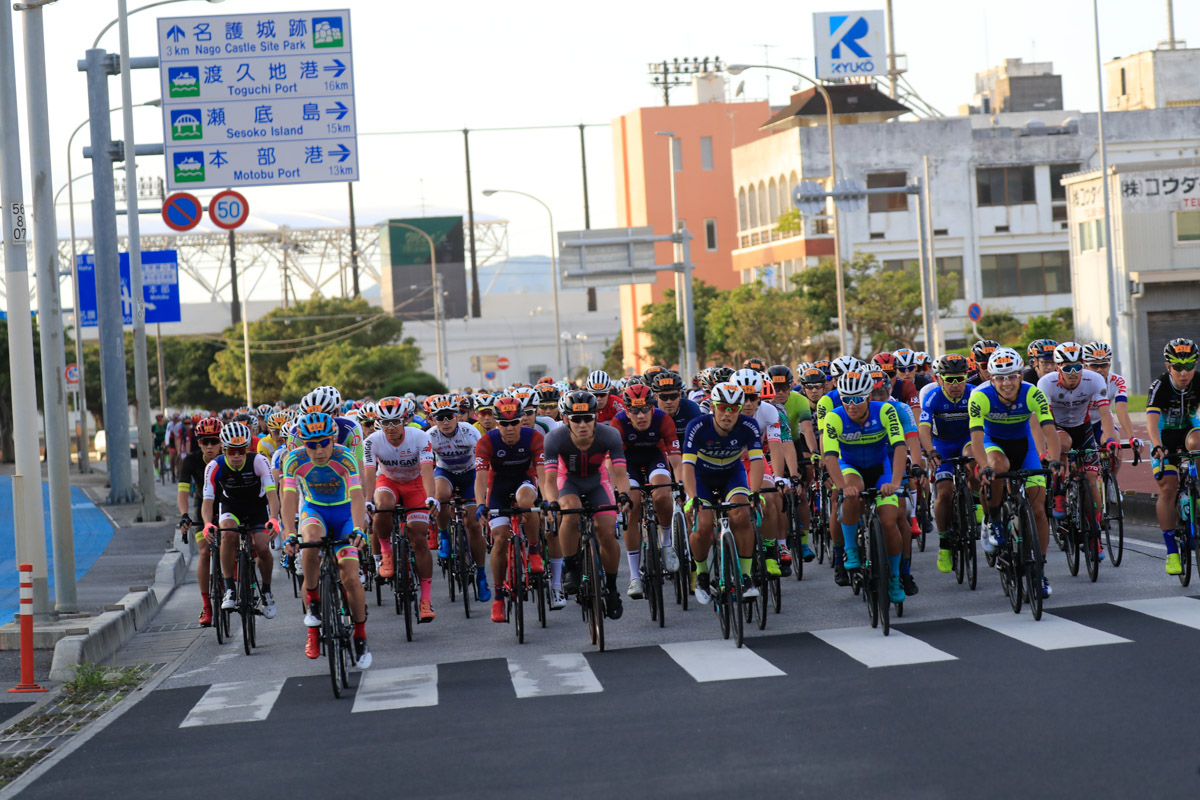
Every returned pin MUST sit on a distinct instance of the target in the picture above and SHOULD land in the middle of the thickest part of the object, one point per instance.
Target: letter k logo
(850, 37)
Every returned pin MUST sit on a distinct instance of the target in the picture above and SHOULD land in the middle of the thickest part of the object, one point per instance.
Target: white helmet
(922, 358)
(750, 381)
(855, 383)
(905, 357)
(325, 398)
(235, 434)
(844, 364)
(599, 382)
(1097, 353)
(1005, 361)
(1068, 353)
(728, 394)
(523, 395)
(395, 408)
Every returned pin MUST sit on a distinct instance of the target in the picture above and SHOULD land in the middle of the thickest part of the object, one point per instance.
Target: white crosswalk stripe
(718, 660)
(399, 687)
(867, 646)
(1051, 633)
(1180, 610)
(558, 673)
(239, 701)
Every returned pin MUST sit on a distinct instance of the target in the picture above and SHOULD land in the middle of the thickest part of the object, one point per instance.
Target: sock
(481, 573)
(206, 598)
(894, 565)
(385, 545)
(312, 595)
(701, 565)
(745, 566)
(610, 582)
(556, 568)
(768, 545)
(849, 534)
(802, 535)
(942, 540)
(426, 589)
(1169, 541)
(360, 630)
(230, 585)
(635, 562)
(445, 534)
(266, 588)
(839, 555)
(906, 565)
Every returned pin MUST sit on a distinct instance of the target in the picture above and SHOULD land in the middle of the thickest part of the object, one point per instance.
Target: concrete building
(1016, 86)
(705, 135)
(1164, 78)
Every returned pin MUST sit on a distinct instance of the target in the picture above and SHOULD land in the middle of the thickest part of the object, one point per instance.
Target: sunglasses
(854, 401)
(529, 412)
(393, 423)
(750, 398)
(669, 398)
(955, 379)
(484, 412)
(639, 410)
(906, 369)
(236, 451)
(443, 416)
(547, 406)
(581, 418)
(1101, 365)
(1015, 377)
(509, 423)
(210, 441)
(318, 444)
(598, 395)
(725, 407)
(1188, 367)
(1071, 369)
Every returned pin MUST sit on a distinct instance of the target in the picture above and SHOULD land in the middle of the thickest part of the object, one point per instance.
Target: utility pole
(28, 519)
(353, 241)
(476, 303)
(45, 256)
(235, 306)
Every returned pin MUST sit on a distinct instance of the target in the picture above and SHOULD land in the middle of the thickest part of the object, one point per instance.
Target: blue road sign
(160, 288)
(975, 312)
(490, 374)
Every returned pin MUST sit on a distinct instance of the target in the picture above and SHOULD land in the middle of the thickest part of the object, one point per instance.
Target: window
(1093, 235)
(946, 265)
(710, 235)
(1057, 171)
(1123, 81)
(1005, 186)
(1017, 274)
(1187, 226)
(742, 221)
(772, 202)
(887, 202)
(677, 153)
(753, 200)
(706, 157)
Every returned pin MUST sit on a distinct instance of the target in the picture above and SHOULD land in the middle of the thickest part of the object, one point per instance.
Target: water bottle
(1185, 508)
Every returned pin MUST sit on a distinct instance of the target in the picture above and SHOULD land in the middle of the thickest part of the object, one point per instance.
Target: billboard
(405, 268)
(850, 44)
(160, 287)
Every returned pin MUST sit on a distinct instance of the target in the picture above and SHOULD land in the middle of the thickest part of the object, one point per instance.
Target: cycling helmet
(905, 358)
(756, 364)
(1068, 353)
(750, 380)
(885, 361)
(209, 426)
(367, 412)
(1097, 353)
(524, 395)
(322, 398)
(278, 420)
(952, 364)
(508, 409)
(881, 380)
(648, 375)
(395, 408)
(545, 379)
(245, 415)
(780, 377)
(637, 396)
(443, 404)
(578, 401)
(843, 364)
(1041, 348)
(823, 365)
(667, 381)
(855, 383)
(721, 375)
(768, 390)
(813, 376)
(1180, 351)
(235, 434)
(598, 382)
(264, 411)
(982, 350)
(729, 394)
(619, 385)
(1005, 361)
(547, 393)
(484, 400)
(316, 425)
(922, 358)
(347, 406)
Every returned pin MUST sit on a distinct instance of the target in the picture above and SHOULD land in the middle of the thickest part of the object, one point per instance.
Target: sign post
(258, 99)
(160, 288)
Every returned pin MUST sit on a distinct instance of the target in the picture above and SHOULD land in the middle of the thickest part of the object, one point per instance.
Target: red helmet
(637, 395)
(209, 426)
(508, 408)
(885, 361)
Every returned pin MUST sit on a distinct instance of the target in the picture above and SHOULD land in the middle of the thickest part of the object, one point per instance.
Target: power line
(489, 130)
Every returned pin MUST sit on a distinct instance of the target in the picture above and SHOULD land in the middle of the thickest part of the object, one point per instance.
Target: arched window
(785, 196)
(753, 200)
(742, 209)
(772, 202)
(762, 205)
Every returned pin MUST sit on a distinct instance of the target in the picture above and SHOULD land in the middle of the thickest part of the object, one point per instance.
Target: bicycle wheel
(246, 599)
(683, 575)
(450, 570)
(399, 546)
(597, 589)
(1009, 561)
(516, 588)
(880, 557)
(922, 516)
(864, 581)
(763, 582)
(464, 563)
(1185, 554)
(1031, 567)
(733, 586)
(1113, 518)
(794, 544)
(1091, 539)
(969, 553)
(1073, 528)
(216, 583)
(329, 631)
(404, 585)
(654, 571)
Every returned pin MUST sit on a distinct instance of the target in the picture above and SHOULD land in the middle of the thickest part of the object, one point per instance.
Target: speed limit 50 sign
(228, 209)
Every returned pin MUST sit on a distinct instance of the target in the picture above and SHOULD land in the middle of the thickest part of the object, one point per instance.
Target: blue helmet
(316, 425)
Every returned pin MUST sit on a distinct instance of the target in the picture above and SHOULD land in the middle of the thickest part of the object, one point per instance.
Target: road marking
(719, 660)
(239, 701)
(869, 646)
(1180, 610)
(398, 687)
(559, 673)
(1052, 633)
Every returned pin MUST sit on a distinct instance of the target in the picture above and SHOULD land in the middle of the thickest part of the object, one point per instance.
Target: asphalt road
(963, 699)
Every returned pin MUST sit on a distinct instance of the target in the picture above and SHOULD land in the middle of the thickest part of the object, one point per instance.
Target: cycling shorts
(405, 495)
(1021, 454)
(253, 514)
(645, 472)
(947, 448)
(1172, 439)
(502, 493)
(596, 489)
(335, 521)
(720, 486)
(227, 516)
(1082, 438)
(463, 482)
(874, 476)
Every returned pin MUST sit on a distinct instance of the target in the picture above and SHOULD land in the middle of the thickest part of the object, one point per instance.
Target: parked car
(100, 443)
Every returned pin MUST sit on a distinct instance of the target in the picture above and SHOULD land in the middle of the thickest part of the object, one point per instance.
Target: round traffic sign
(975, 312)
(502, 362)
(490, 374)
(71, 373)
(809, 197)
(228, 209)
(182, 211)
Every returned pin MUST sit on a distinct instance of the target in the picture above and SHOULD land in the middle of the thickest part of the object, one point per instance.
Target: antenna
(667, 74)
(767, 60)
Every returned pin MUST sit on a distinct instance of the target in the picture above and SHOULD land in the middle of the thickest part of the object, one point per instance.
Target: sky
(428, 66)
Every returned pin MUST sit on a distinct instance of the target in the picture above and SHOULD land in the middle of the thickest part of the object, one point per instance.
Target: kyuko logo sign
(850, 43)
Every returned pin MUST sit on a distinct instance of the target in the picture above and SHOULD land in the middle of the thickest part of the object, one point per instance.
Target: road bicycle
(216, 587)
(249, 598)
(335, 629)
(653, 571)
(725, 574)
(1112, 513)
(1018, 559)
(682, 579)
(1078, 530)
(870, 580)
(458, 568)
(404, 582)
(820, 498)
(517, 584)
(1186, 527)
(964, 531)
(592, 579)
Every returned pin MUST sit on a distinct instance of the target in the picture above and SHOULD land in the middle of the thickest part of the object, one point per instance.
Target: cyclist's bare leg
(500, 553)
(419, 542)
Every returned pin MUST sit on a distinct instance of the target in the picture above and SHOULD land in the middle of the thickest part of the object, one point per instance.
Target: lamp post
(438, 321)
(553, 268)
(737, 69)
(583, 359)
(683, 361)
(1113, 286)
(566, 337)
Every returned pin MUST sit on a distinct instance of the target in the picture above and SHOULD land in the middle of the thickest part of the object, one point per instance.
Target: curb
(110, 631)
(1139, 508)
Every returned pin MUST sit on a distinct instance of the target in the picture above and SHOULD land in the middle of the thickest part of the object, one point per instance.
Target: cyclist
(328, 400)
(796, 411)
(909, 379)
(508, 459)
(907, 501)
(601, 387)
(191, 478)
(1072, 393)
(547, 396)
(1171, 421)
(367, 417)
(831, 400)
(159, 430)
(1041, 360)
(238, 486)
(1011, 423)
(981, 351)
(860, 435)
(650, 442)
(1097, 357)
(944, 431)
(713, 472)
(530, 418)
(766, 417)
(399, 473)
(274, 435)
(321, 482)
(575, 469)
(485, 412)
(668, 391)
(453, 443)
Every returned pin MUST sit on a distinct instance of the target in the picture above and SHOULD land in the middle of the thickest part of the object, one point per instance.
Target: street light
(679, 314)
(553, 266)
(107, 27)
(738, 69)
(443, 369)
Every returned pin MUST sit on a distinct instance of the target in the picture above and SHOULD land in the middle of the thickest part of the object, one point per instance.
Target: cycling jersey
(906, 391)
(240, 492)
(766, 416)
(191, 478)
(1176, 408)
(266, 446)
(829, 401)
(502, 460)
(1070, 406)
(904, 413)
(565, 457)
(866, 444)
(798, 410)
(399, 463)
(279, 455)
(947, 419)
(709, 450)
(648, 446)
(688, 411)
(999, 419)
(546, 424)
(613, 407)
(925, 390)
(456, 452)
(327, 485)
(1117, 393)
(785, 426)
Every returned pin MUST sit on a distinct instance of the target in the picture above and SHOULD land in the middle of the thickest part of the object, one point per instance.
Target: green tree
(752, 321)
(1059, 326)
(1001, 325)
(356, 371)
(790, 222)
(614, 357)
(666, 334)
(185, 369)
(415, 382)
(884, 306)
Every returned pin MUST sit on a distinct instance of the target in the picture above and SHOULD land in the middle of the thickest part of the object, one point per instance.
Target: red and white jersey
(1118, 392)
(400, 463)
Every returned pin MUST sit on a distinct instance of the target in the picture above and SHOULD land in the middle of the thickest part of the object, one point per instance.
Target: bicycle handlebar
(595, 510)
(504, 512)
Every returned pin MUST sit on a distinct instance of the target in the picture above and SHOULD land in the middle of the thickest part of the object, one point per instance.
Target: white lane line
(1052, 633)
(719, 660)
(1180, 610)
(239, 701)
(559, 673)
(869, 646)
(398, 687)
